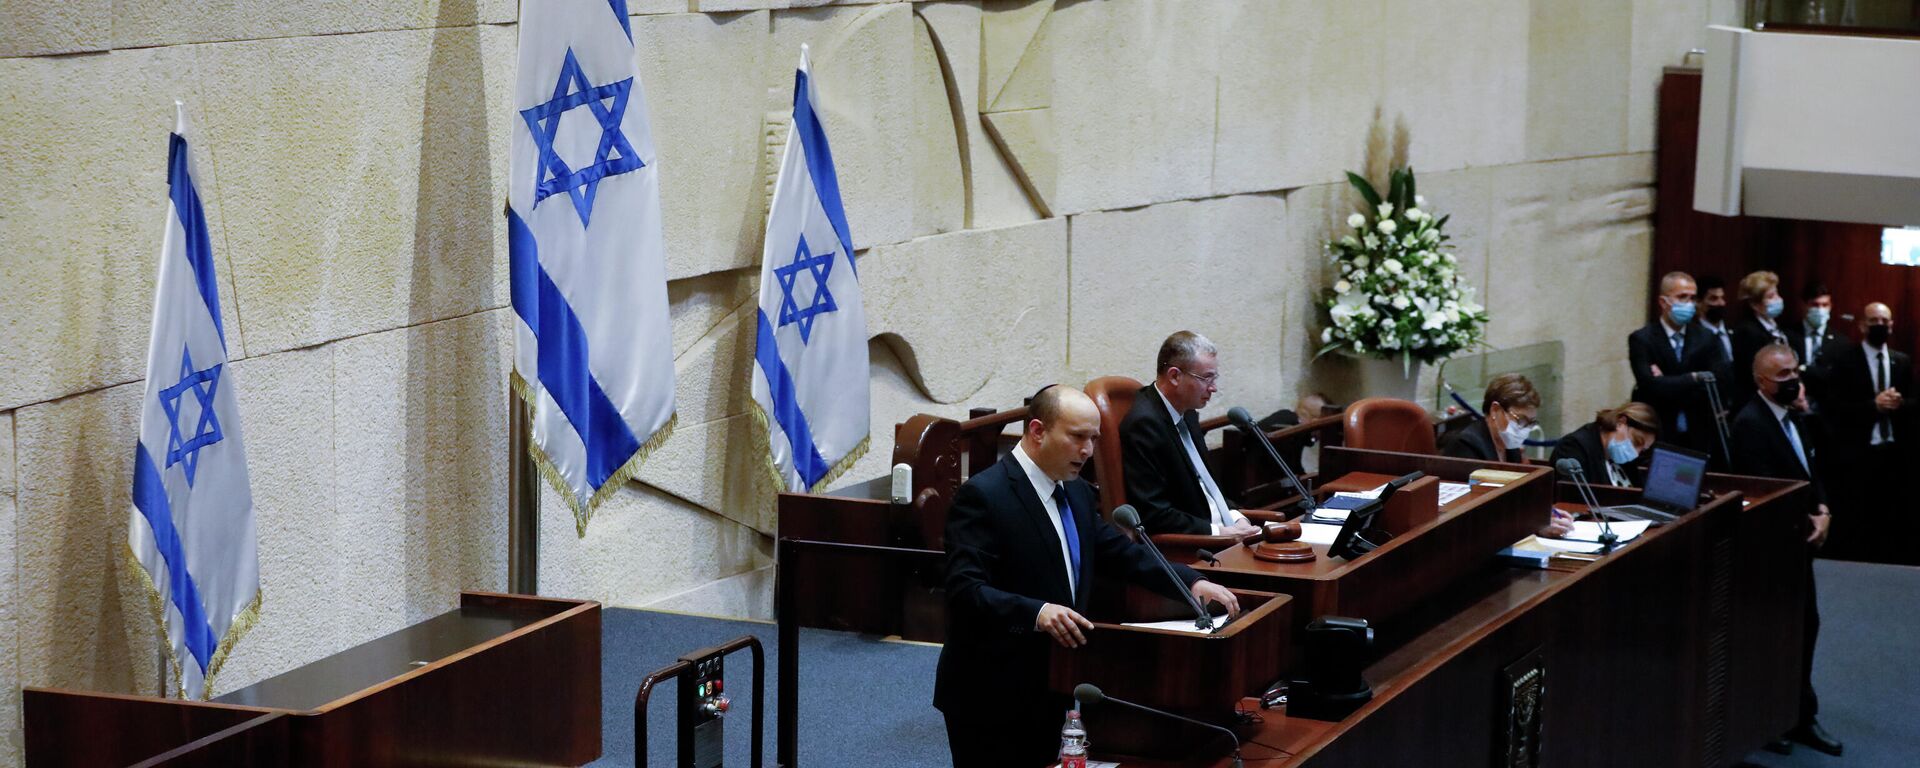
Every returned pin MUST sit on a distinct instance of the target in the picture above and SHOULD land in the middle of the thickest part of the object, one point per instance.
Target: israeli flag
(191, 532)
(810, 357)
(593, 351)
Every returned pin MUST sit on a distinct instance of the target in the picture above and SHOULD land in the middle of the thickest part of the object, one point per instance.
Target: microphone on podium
(1127, 517)
(1571, 468)
(1089, 694)
(1243, 421)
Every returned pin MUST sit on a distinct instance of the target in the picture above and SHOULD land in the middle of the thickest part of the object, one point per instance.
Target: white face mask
(1515, 434)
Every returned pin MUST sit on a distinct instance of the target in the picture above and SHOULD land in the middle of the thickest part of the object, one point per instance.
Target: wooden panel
(264, 740)
(78, 728)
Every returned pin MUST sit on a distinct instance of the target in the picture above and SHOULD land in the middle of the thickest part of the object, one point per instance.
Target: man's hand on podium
(1063, 624)
(1206, 591)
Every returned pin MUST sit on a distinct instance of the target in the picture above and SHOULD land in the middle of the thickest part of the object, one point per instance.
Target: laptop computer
(1672, 488)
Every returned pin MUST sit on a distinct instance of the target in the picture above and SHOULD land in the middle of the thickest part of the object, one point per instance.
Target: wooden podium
(1432, 546)
(501, 680)
(1201, 676)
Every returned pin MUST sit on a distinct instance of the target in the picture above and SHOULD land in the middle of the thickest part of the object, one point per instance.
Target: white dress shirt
(1223, 515)
(1043, 487)
(1880, 379)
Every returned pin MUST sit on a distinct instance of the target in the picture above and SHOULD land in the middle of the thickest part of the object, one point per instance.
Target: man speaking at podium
(1025, 547)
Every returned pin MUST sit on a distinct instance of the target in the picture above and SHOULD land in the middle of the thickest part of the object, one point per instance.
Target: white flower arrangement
(1414, 306)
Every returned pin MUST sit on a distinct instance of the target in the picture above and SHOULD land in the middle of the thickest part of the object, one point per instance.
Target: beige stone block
(385, 211)
(1568, 261)
(719, 466)
(712, 377)
(89, 169)
(1297, 91)
(1011, 40)
(1133, 103)
(721, 6)
(84, 623)
(172, 22)
(308, 549)
(863, 67)
(1456, 76)
(1663, 32)
(940, 178)
(962, 309)
(747, 596)
(10, 741)
(643, 546)
(995, 197)
(698, 305)
(1577, 58)
(420, 420)
(1217, 268)
(1029, 142)
(40, 29)
(703, 78)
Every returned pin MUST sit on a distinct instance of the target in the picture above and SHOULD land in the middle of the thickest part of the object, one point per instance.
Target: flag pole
(523, 501)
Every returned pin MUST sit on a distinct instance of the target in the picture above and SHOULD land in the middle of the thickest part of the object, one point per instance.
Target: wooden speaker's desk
(501, 680)
(1432, 548)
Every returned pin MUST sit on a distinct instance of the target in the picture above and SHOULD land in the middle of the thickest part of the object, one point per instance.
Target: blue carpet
(863, 701)
(1864, 669)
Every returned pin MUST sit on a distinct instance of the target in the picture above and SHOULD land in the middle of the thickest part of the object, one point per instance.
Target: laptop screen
(1674, 477)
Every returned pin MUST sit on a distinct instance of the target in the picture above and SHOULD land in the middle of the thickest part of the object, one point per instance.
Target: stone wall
(1032, 184)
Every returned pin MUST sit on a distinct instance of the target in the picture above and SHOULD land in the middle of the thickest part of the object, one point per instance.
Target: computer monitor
(1674, 476)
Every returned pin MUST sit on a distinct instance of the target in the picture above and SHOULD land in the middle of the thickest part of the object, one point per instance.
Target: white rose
(1359, 346)
(1361, 261)
(1400, 302)
(1387, 226)
(1415, 214)
(1371, 242)
(1454, 294)
(1453, 315)
(1392, 266)
(1326, 335)
(1342, 287)
(1431, 235)
(1356, 221)
(1386, 209)
(1348, 240)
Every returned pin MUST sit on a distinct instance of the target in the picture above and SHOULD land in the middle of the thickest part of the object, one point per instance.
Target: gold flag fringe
(620, 477)
(780, 482)
(157, 607)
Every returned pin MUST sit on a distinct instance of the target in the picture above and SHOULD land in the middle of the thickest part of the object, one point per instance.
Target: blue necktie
(1068, 530)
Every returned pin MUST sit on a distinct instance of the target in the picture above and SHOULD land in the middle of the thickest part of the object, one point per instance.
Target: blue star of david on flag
(615, 154)
(183, 448)
(790, 310)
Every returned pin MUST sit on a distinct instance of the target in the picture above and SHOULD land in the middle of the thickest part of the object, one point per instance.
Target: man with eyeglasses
(1162, 449)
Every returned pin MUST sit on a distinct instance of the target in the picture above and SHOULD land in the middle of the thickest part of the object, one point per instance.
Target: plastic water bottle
(1073, 741)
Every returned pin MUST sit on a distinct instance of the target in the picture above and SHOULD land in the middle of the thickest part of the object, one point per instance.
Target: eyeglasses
(1211, 379)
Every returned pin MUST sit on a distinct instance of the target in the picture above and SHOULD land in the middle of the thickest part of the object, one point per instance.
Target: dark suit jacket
(1848, 399)
(1003, 562)
(1475, 441)
(1673, 392)
(1761, 448)
(1161, 483)
(1587, 447)
(1748, 337)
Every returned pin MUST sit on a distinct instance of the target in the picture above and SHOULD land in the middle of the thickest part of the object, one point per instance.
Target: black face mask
(1786, 392)
(1877, 334)
(1716, 313)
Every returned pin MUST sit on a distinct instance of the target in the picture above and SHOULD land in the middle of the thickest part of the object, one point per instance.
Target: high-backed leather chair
(1113, 397)
(1388, 424)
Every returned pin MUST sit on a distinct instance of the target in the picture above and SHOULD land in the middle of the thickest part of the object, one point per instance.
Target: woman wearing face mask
(1613, 441)
(1511, 408)
(1760, 292)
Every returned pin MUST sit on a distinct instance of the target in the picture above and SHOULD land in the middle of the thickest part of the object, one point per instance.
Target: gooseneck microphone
(1128, 517)
(1089, 694)
(1572, 469)
(1243, 421)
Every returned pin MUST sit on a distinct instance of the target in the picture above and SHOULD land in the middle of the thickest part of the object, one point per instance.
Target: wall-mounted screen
(1900, 246)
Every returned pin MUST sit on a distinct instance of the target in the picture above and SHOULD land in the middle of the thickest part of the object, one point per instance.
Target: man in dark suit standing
(1025, 550)
(1775, 437)
(1166, 475)
(1674, 362)
(1872, 429)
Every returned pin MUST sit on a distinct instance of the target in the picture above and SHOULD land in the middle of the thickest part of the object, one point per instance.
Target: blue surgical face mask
(1775, 306)
(1817, 316)
(1683, 312)
(1621, 452)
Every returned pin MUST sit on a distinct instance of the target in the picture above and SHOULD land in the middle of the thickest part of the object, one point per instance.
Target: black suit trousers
(1010, 735)
(1809, 701)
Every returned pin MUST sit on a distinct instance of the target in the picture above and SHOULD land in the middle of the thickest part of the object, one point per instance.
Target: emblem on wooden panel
(1523, 690)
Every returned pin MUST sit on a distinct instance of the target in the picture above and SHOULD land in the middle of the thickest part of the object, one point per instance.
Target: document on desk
(1451, 491)
(1318, 533)
(1627, 530)
(1181, 625)
(1335, 508)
